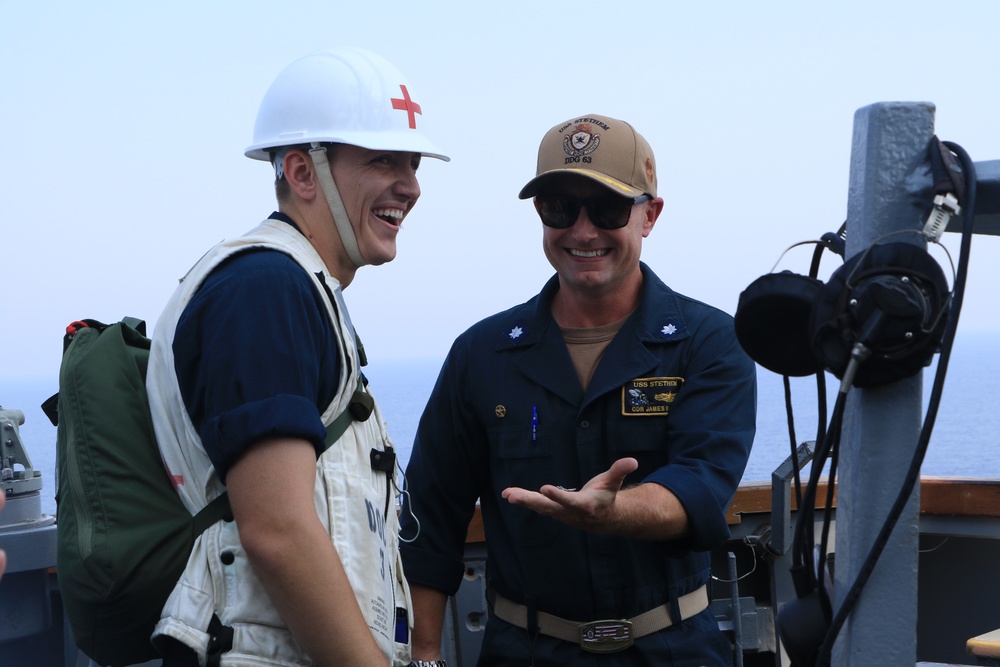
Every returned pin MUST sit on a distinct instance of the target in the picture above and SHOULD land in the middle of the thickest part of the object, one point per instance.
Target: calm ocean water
(965, 440)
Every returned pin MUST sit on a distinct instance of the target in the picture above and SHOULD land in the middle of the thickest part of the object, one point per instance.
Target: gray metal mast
(890, 180)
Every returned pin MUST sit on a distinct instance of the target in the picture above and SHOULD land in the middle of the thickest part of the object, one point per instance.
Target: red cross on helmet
(347, 95)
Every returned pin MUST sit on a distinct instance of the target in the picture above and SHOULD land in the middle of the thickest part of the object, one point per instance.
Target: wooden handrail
(939, 496)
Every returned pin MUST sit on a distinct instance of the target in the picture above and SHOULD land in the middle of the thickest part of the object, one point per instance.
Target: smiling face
(593, 262)
(378, 189)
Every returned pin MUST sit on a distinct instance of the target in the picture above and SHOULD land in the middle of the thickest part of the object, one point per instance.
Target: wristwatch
(428, 663)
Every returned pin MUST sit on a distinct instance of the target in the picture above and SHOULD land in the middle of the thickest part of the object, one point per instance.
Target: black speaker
(891, 298)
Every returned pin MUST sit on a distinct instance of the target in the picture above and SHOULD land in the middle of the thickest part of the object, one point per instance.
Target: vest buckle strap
(608, 636)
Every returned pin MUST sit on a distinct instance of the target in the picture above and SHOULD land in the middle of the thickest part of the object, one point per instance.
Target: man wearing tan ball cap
(603, 426)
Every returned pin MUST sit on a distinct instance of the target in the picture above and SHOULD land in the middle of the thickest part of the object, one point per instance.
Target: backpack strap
(220, 641)
(219, 507)
(359, 409)
(212, 512)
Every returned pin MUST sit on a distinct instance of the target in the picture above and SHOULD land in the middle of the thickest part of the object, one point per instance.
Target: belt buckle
(607, 636)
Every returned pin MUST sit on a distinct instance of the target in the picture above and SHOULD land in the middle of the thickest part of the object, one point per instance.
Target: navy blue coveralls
(673, 390)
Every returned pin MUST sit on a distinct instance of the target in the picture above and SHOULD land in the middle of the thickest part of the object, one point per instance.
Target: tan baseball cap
(606, 150)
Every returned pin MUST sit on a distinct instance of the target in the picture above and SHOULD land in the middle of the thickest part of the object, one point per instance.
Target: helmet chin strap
(333, 200)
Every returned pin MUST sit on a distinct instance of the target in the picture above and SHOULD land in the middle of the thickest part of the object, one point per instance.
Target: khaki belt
(605, 636)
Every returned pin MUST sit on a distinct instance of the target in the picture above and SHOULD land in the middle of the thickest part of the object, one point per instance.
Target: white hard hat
(346, 95)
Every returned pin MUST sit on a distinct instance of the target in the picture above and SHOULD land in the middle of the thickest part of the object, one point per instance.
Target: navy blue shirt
(255, 355)
(673, 390)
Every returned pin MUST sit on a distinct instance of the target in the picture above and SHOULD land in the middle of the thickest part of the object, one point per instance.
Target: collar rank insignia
(516, 333)
(671, 328)
(645, 397)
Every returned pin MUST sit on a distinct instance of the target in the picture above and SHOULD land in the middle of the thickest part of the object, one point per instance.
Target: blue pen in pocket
(534, 425)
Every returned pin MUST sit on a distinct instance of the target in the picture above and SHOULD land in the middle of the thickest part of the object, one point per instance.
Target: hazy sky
(125, 126)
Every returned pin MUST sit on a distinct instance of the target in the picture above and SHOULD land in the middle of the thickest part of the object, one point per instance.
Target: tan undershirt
(586, 346)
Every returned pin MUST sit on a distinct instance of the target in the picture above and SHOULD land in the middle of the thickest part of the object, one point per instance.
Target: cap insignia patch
(580, 143)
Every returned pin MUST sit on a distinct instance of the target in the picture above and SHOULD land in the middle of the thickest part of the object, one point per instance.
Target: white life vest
(350, 497)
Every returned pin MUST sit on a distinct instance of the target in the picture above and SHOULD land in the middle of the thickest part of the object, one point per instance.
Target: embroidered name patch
(649, 396)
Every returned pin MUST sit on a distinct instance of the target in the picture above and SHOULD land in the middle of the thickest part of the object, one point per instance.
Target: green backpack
(124, 536)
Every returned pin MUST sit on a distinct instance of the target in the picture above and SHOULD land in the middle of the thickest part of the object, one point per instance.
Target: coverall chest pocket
(644, 438)
(521, 457)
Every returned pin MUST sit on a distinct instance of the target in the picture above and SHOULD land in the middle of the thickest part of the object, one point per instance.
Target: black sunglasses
(562, 212)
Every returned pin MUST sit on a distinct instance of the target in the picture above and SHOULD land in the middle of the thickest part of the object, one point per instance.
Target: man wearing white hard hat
(256, 388)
